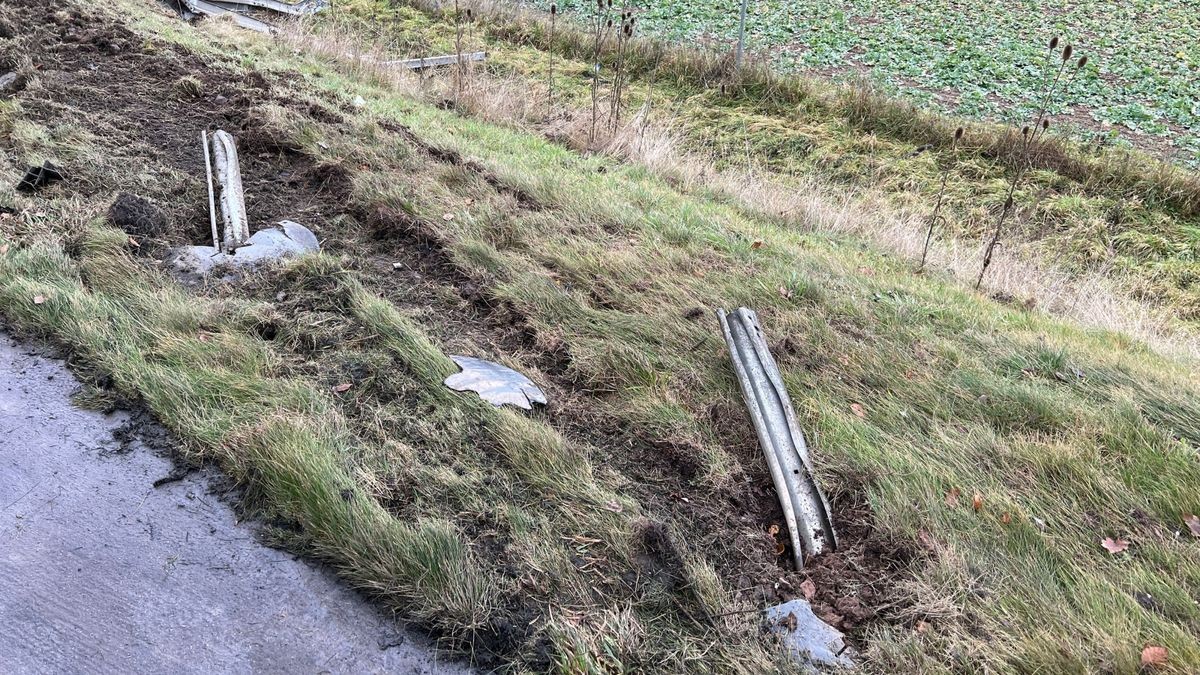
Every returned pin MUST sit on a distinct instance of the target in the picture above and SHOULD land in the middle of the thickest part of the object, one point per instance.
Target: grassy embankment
(1085, 212)
(609, 532)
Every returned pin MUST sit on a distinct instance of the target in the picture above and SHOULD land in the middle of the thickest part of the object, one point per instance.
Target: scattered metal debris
(11, 83)
(497, 384)
(229, 186)
(283, 240)
(234, 246)
(301, 8)
(38, 177)
(804, 506)
(435, 61)
(190, 9)
(808, 640)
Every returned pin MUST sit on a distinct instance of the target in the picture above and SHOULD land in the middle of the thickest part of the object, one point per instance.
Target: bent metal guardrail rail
(804, 506)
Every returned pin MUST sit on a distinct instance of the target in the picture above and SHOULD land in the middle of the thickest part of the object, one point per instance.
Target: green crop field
(979, 58)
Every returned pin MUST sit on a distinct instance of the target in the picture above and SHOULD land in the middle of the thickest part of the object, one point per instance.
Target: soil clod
(137, 216)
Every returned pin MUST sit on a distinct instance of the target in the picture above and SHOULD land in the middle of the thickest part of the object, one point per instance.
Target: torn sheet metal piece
(287, 239)
(804, 506)
(497, 384)
(302, 8)
(808, 640)
(230, 194)
(201, 7)
(38, 177)
(434, 61)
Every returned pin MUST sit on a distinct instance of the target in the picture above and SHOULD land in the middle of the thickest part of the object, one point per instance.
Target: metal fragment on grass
(808, 640)
(497, 384)
(804, 506)
(283, 240)
(435, 61)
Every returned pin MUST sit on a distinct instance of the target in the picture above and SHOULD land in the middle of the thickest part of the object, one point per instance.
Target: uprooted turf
(626, 527)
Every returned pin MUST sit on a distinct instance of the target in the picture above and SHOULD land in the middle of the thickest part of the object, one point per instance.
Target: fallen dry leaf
(615, 507)
(1193, 523)
(1153, 656)
(3, 249)
(977, 502)
(844, 360)
(1114, 546)
(1006, 518)
(447, 217)
(773, 529)
(134, 243)
(922, 627)
(757, 244)
(342, 387)
(39, 299)
(780, 547)
(808, 589)
(857, 409)
(785, 292)
(788, 622)
(952, 497)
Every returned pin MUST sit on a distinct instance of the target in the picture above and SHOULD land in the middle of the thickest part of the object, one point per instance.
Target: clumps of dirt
(137, 217)
(854, 586)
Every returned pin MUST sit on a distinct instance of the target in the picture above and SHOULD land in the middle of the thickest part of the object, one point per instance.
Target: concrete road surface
(100, 572)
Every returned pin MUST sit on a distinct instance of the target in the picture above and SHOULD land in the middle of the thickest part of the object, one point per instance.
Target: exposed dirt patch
(137, 216)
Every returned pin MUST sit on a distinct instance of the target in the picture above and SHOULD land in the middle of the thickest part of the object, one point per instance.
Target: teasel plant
(620, 76)
(459, 70)
(937, 218)
(550, 55)
(1031, 135)
(602, 25)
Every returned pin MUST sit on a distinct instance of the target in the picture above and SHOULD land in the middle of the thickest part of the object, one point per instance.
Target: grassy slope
(958, 393)
(1109, 211)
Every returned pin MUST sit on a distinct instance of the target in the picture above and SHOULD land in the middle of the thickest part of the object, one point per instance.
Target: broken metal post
(212, 204)
(804, 506)
(233, 200)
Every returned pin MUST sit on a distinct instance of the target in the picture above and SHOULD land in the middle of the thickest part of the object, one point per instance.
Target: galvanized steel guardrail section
(805, 508)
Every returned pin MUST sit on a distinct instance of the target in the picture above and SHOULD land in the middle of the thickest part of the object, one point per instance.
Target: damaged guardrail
(805, 508)
(231, 196)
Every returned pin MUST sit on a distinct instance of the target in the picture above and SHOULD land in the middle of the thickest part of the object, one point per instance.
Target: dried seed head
(470, 14)
(958, 134)
(553, 9)
(1067, 51)
(1054, 43)
(609, 23)
(1025, 131)
(1045, 124)
(610, 4)
(632, 20)
(1082, 62)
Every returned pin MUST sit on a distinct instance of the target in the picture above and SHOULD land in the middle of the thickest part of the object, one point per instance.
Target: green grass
(473, 521)
(977, 59)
